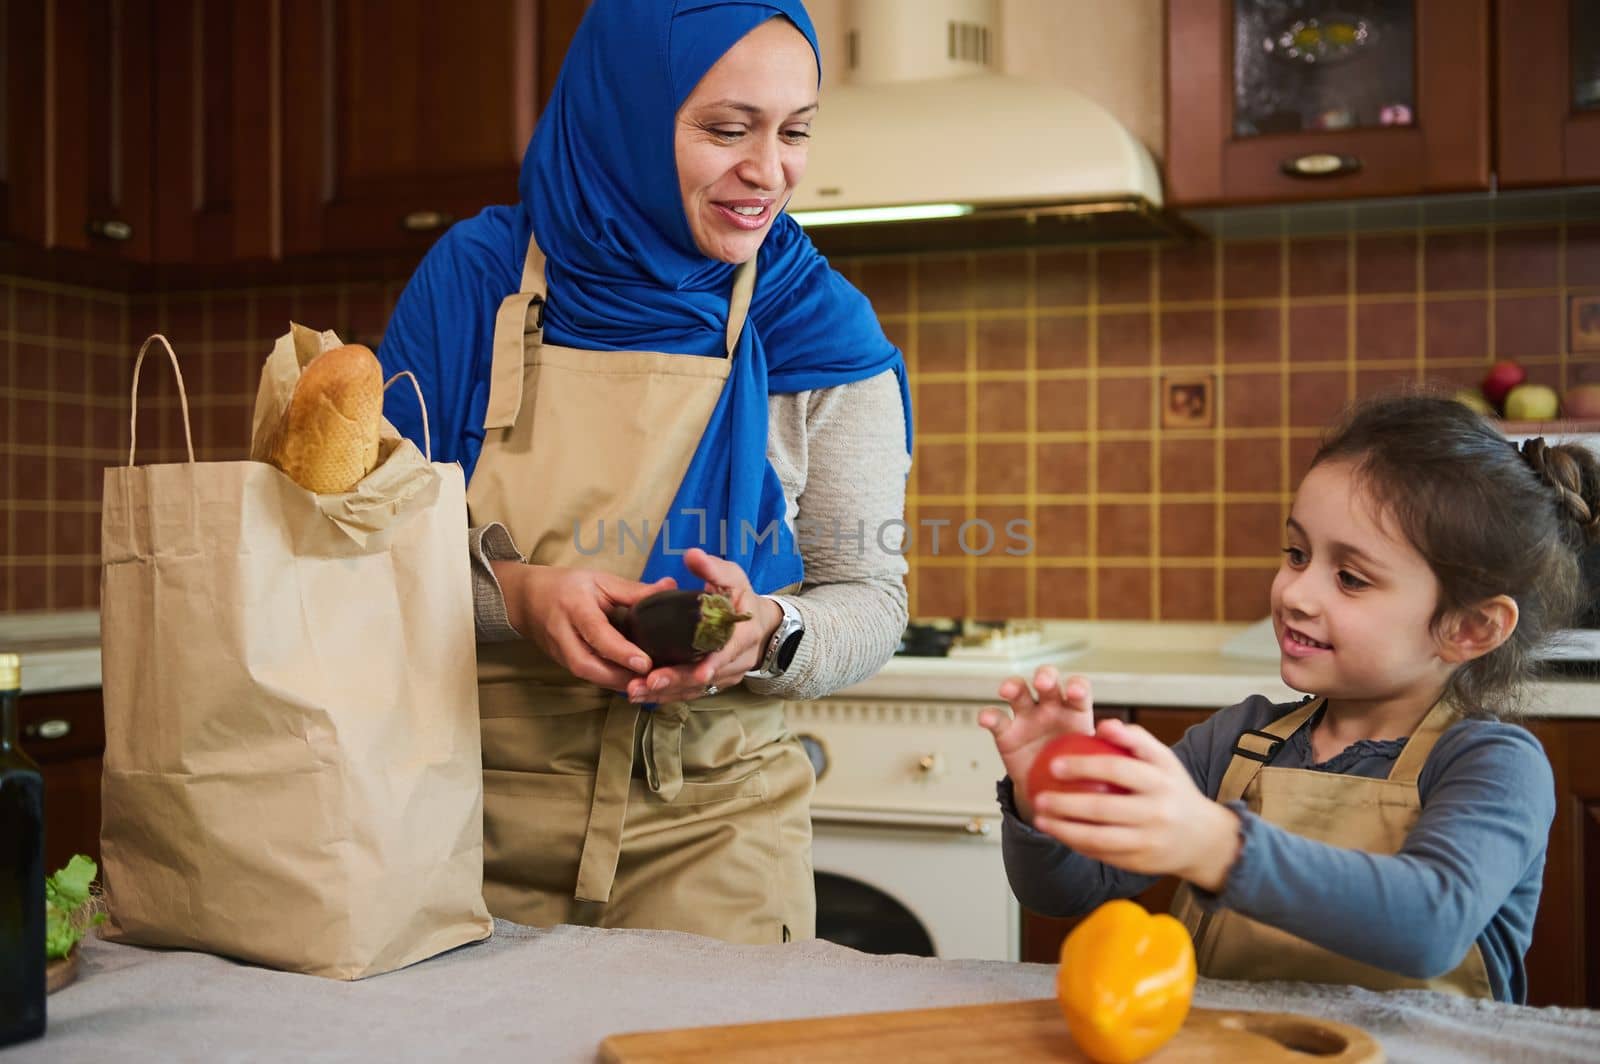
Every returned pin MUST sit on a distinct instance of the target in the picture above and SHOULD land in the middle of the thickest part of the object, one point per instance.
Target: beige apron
(692, 817)
(1350, 811)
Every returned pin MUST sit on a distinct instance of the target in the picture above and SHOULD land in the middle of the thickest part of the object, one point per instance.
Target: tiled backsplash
(1044, 483)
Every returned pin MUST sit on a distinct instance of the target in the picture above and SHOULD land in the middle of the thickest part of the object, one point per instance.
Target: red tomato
(1040, 778)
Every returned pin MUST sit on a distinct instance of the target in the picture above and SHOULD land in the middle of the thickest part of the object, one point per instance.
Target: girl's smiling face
(741, 139)
(1353, 603)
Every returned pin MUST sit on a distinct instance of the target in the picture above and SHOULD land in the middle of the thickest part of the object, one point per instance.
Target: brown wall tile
(1528, 325)
(1002, 406)
(1188, 594)
(1583, 254)
(1124, 595)
(1123, 530)
(942, 346)
(1253, 529)
(1384, 380)
(1252, 399)
(1319, 332)
(1062, 342)
(1002, 592)
(1061, 591)
(944, 282)
(1123, 275)
(934, 528)
(1001, 280)
(1252, 465)
(1246, 594)
(1188, 465)
(1386, 331)
(1061, 278)
(1456, 261)
(1319, 267)
(1252, 334)
(1125, 466)
(1526, 258)
(1188, 530)
(1002, 343)
(942, 592)
(1062, 405)
(1456, 329)
(1252, 269)
(941, 468)
(1316, 397)
(1002, 468)
(1187, 272)
(1188, 337)
(1061, 530)
(1063, 468)
(1125, 402)
(1124, 339)
(886, 282)
(1386, 263)
(941, 406)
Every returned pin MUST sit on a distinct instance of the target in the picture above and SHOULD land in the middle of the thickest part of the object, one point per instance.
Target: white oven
(906, 831)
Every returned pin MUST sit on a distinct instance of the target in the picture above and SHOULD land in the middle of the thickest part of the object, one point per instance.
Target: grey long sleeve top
(1470, 870)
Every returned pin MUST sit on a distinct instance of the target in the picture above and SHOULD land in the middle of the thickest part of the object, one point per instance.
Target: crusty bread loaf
(328, 438)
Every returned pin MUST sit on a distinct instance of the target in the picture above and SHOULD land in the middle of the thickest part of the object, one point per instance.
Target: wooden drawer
(62, 725)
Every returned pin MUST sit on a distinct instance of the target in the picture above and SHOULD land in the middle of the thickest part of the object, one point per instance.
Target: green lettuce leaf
(68, 911)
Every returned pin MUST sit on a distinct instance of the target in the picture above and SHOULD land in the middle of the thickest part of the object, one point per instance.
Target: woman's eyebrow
(756, 112)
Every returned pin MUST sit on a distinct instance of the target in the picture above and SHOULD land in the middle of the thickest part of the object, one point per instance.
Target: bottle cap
(10, 672)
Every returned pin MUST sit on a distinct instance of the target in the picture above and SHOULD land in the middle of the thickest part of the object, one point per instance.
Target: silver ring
(712, 688)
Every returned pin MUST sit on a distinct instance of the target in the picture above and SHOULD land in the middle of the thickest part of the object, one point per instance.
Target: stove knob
(816, 751)
(931, 766)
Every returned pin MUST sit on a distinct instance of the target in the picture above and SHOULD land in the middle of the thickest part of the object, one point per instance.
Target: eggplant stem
(717, 618)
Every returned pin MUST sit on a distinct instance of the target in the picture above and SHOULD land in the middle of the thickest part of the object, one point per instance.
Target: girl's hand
(1059, 709)
(1164, 826)
(725, 667)
(563, 612)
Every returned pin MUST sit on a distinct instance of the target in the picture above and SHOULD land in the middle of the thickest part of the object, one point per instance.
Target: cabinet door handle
(425, 221)
(49, 729)
(110, 229)
(1320, 164)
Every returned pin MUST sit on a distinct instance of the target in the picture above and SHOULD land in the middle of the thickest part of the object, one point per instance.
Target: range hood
(925, 146)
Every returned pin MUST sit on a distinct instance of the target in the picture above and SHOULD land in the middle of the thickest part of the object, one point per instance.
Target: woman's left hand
(1163, 826)
(725, 667)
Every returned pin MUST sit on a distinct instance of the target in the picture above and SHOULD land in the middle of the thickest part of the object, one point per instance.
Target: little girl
(1388, 831)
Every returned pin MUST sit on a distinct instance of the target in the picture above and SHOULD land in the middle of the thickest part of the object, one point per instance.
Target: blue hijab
(600, 187)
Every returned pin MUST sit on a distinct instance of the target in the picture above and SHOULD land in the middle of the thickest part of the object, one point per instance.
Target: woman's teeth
(748, 212)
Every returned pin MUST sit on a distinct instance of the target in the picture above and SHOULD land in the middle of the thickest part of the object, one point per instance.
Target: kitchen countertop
(554, 995)
(1130, 663)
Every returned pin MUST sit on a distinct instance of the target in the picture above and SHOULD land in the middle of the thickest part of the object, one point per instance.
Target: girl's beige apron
(1350, 811)
(694, 816)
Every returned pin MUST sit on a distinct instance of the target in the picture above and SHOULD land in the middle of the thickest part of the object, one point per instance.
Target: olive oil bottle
(21, 873)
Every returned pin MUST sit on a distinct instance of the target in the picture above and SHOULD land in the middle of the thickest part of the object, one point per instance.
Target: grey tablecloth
(527, 994)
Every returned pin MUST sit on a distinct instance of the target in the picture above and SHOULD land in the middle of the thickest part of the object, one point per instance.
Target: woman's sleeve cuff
(491, 543)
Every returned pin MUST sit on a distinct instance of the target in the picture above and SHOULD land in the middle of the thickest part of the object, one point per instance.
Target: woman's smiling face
(741, 139)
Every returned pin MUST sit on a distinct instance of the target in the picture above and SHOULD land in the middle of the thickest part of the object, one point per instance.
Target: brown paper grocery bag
(292, 768)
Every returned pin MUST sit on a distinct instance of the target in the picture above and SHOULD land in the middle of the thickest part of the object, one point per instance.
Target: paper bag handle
(133, 398)
(427, 440)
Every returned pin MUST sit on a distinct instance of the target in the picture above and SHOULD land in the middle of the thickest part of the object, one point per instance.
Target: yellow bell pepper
(1125, 982)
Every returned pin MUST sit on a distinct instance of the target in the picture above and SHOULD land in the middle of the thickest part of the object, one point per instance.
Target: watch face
(791, 644)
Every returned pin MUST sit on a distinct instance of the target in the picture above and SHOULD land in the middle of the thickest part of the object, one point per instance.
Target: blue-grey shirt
(1469, 871)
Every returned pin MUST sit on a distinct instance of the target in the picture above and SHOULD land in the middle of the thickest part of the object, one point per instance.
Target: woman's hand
(563, 612)
(725, 667)
(1164, 826)
(1059, 710)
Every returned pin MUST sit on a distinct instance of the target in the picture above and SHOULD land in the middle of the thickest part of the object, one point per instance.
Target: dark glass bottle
(21, 873)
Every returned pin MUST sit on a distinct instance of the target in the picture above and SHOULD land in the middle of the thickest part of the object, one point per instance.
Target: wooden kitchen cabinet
(1266, 103)
(1547, 101)
(64, 732)
(218, 91)
(75, 170)
(402, 116)
(1563, 961)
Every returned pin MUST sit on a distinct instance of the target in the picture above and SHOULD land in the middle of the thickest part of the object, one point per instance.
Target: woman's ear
(1476, 630)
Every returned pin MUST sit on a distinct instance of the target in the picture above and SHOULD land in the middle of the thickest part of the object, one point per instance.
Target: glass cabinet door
(1584, 19)
(1311, 65)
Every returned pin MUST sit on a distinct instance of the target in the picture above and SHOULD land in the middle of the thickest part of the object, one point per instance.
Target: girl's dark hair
(1489, 517)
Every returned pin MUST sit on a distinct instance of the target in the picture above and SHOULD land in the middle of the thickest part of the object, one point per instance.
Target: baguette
(327, 439)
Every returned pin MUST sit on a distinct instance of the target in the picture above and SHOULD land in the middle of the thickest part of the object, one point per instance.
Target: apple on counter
(1502, 377)
(1581, 401)
(1532, 402)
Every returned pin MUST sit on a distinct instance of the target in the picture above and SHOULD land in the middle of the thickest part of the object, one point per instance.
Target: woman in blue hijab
(653, 379)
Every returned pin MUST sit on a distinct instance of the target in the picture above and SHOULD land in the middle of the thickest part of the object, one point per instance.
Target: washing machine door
(855, 914)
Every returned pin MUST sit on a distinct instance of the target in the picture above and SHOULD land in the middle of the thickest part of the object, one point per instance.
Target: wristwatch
(783, 644)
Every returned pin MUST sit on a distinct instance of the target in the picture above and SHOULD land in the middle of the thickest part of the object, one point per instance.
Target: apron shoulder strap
(1408, 766)
(744, 284)
(1253, 749)
(514, 328)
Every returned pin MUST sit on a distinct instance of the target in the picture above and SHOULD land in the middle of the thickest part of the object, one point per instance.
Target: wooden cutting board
(1011, 1032)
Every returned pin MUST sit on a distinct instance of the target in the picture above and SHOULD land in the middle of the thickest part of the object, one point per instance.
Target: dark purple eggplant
(677, 627)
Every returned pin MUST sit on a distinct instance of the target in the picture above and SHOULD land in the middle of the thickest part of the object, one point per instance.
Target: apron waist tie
(662, 747)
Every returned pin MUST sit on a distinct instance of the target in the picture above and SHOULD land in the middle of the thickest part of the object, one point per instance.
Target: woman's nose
(763, 167)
